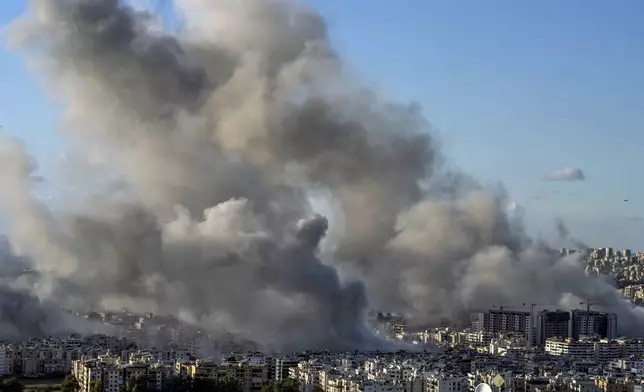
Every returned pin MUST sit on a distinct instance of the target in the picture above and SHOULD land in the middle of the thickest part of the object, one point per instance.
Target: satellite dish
(483, 387)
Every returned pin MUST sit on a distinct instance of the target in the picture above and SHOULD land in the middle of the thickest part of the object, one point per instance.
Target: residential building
(610, 384)
(446, 383)
(282, 366)
(587, 323)
(552, 324)
(504, 321)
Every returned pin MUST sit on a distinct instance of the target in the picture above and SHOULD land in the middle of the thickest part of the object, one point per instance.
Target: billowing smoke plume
(23, 314)
(220, 139)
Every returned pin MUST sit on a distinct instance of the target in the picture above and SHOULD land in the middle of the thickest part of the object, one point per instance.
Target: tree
(96, 386)
(69, 384)
(138, 384)
(287, 385)
(228, 384)
(290, 385)
(12, 385)
(176, 384)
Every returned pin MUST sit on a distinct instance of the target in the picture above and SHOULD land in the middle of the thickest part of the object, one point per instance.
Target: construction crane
(501, 307)
(523, 305)
(536, 304)
(532, 318)
(590, 304)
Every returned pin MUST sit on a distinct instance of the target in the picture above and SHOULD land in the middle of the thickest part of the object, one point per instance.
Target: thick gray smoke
(220, 139)
(23, 314)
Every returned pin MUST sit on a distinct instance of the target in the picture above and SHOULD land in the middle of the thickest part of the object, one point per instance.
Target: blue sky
(515, 90)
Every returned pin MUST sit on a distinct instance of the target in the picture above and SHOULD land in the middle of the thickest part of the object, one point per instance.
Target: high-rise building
(567, 252)
(480, 320)
(585, 322)
(282, 366)
(552, 324)
(5, 361)
(504, 321)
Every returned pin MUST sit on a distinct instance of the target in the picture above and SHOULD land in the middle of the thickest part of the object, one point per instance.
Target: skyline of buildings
(536, 328)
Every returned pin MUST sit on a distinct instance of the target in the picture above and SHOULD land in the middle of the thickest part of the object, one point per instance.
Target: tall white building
(5, 361)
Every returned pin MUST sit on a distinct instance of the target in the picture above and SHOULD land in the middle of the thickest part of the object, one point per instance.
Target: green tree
(12, 385)
(287, 385)
(69, 384)
(138, 384)
(317, 388)
(228, 384)
(290, 385)
(176, 384)
(96, 386)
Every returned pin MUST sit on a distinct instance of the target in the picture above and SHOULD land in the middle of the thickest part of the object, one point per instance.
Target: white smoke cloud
(219, 137)
(566, 174)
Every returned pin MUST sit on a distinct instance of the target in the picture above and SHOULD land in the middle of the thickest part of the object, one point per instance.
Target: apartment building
(610, 384)
(503, 322)
(603, 350)
(446, 383)
(552, 324)
(587, 323)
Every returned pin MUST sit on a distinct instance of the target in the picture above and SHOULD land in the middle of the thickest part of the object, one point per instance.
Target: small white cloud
(566, 174)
